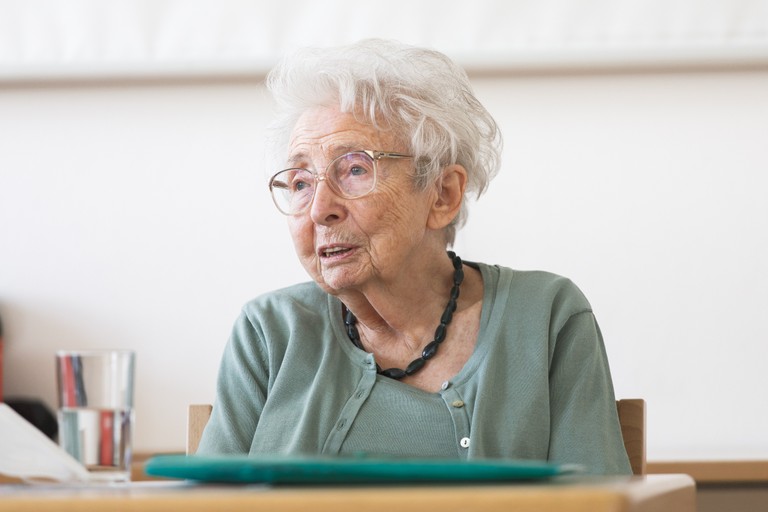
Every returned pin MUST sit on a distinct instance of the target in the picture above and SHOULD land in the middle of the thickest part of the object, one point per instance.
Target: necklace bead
(431, 348)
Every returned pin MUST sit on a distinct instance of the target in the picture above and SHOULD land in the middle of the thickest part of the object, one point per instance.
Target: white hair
(416, 92)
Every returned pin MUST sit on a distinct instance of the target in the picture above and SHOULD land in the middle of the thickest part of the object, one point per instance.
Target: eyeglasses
(351, 176)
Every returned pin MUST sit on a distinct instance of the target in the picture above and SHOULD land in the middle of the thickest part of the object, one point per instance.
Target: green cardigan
(537, 385)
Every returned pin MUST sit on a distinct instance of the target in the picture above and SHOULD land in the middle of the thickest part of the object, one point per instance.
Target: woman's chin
(335, 281)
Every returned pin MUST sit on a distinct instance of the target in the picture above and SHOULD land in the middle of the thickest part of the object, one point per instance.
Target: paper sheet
(27, 453)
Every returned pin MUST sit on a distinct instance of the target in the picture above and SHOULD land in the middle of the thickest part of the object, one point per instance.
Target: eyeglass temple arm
(385, 154)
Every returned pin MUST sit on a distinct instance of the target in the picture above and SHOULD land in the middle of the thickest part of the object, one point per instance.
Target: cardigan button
(457, 404)
(464, 442)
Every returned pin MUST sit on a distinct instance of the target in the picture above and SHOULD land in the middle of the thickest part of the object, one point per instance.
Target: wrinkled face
(355, 243)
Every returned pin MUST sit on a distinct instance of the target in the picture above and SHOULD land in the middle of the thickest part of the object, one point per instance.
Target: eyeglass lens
(351, 175)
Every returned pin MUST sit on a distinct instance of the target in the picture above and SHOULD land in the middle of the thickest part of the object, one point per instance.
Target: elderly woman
(396, 346)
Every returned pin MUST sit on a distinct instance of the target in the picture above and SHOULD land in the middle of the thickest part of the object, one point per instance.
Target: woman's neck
(407, 310)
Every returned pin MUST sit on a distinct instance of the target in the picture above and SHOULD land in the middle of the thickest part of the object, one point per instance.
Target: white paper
(27, 453)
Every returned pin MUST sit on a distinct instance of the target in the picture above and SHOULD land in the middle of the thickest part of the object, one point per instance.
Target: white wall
(650, 192)
(135, 214)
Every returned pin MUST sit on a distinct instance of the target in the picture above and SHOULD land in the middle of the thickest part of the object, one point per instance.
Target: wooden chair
(631, 416)
(197, 418)
(632, 420)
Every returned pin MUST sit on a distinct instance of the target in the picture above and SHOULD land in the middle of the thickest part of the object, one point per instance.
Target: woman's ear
(450, 194)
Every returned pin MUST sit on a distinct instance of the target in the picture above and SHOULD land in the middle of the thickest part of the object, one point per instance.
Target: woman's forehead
(328, 132)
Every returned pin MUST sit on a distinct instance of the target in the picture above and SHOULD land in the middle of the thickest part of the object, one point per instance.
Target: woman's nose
(327, 207)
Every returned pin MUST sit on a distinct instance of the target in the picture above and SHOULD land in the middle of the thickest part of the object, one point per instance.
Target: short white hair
(416, 92)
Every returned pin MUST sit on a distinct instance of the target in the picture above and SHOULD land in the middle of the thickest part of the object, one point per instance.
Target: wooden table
(652, 493)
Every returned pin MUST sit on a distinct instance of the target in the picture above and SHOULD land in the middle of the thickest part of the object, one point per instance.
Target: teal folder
(348, 470)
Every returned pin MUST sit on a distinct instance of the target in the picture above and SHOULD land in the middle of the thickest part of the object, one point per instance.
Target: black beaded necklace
(431, 348)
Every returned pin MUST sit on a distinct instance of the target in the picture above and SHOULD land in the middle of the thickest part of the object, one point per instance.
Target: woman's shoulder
(300, 296)
(275, 316)
(517, 277)
(534, 286)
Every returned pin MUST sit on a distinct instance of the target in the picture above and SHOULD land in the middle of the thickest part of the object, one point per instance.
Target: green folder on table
(349, 470)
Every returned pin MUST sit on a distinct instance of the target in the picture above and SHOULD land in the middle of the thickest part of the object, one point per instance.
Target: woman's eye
(357, 170)
(299, 185)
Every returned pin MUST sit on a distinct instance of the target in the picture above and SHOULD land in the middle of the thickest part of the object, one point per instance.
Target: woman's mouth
(331, 252)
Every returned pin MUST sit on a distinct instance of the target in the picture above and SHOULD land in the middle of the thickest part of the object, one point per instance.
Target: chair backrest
(197, 417)
(631, 416)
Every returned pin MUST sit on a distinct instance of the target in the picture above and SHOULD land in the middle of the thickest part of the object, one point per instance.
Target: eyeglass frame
(373, 154)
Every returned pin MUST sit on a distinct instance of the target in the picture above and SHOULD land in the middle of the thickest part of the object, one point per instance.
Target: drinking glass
(95, 391)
